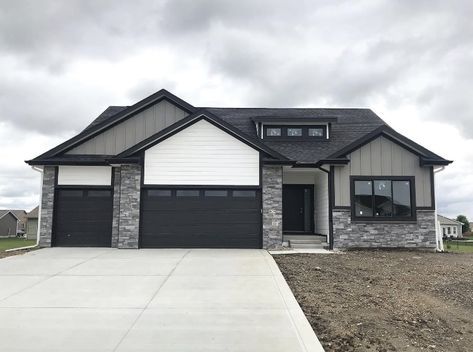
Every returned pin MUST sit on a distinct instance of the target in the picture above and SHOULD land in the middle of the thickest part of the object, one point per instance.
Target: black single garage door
(201, 218)
(83, 218)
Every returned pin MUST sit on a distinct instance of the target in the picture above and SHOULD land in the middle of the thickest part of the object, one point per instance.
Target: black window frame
(305, 133)
(355, 218)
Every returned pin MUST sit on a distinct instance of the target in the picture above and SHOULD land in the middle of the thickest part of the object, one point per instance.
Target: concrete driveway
(90, 299)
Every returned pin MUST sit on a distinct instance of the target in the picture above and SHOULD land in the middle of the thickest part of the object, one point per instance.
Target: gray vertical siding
(8, 226)
(382, 157)
(132, 131)
(32, 228)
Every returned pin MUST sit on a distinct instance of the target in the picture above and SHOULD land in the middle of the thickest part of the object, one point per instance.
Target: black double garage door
(170, 218)
(205, 218)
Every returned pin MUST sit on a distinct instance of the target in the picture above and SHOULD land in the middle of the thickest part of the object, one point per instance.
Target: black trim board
(154, 186)
(331, 203)
(114, 120)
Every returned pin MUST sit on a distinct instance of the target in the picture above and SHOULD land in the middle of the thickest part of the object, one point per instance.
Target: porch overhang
(330, 162)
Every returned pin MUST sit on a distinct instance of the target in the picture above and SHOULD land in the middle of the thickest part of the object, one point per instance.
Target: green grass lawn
(458, 247)
(8, 243)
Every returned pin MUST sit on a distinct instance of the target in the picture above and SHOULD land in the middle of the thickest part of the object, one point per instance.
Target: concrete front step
(318, 240)
(314, 244)
(308, 245)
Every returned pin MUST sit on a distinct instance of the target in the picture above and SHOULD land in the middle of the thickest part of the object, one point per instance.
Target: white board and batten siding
(202, 154)
(84, 176)
(382, 157)
(321, 204)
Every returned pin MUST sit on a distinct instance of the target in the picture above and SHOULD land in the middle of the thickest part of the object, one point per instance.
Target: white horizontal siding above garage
(202, 154)
(84, 176)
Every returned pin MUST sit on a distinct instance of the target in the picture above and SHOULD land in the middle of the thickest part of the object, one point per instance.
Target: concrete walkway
(90, 299)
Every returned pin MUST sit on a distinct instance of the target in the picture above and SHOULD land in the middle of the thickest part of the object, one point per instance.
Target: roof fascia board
(9, 212)
(434, 162)
(118, 118)
(390, 134)
(331, 162)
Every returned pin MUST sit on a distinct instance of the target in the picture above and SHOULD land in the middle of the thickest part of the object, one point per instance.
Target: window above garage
(295, 132)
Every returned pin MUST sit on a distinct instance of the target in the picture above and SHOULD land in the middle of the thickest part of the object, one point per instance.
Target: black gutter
(434, 162)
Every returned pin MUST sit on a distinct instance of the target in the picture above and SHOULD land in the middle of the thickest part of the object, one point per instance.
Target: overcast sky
(63, 62)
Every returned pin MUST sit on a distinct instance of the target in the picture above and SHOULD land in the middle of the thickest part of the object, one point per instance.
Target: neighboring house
(450, 227)
(32, 224)
(8, 224)
(21, 215)
(163, 173)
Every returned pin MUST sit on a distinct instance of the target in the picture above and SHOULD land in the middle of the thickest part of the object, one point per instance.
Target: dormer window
(273, 132)
(316, 132)
(293, 133)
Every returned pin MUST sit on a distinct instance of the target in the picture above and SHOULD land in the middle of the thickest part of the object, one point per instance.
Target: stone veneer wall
(47, 206)
(272, 207)
(420, 234)
(116, 205)
(129, 206)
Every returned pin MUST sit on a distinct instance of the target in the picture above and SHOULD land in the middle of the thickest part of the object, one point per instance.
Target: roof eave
(120, 116)
(434, 162)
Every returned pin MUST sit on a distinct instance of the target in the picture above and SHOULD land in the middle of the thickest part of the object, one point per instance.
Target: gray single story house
(450, 227)
(9, 224)
(164, 174)
(32, 224)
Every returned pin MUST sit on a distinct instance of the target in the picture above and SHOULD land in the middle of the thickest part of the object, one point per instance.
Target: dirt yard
(385, 300)
(4, 254)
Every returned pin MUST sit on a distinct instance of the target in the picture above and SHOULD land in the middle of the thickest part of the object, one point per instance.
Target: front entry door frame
(298, 187)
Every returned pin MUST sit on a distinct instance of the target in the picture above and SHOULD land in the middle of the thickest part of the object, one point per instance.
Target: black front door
(297, 208)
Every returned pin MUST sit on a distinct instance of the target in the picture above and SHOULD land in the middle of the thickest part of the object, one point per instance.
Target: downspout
(438, 234)
(39, 215)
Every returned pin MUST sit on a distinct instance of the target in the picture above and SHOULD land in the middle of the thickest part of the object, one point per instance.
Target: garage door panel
(212, 218)
(83, 218)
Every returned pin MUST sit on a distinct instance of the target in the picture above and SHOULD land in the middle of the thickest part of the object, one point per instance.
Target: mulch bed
(385, 300)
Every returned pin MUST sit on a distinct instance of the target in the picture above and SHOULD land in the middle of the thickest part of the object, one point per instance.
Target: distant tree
(466, 223)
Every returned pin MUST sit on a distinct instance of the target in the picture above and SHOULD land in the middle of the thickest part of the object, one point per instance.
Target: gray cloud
(263, 53)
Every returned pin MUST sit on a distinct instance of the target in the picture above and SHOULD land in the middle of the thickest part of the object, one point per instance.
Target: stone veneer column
(47, 206)
(129, 206)
(419, 234)
(116, 205)
(272, 207)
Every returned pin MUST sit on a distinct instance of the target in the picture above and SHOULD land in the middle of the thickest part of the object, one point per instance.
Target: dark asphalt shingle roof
(348, 125)
(33, 214)
(105, 115)
(351, 125)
